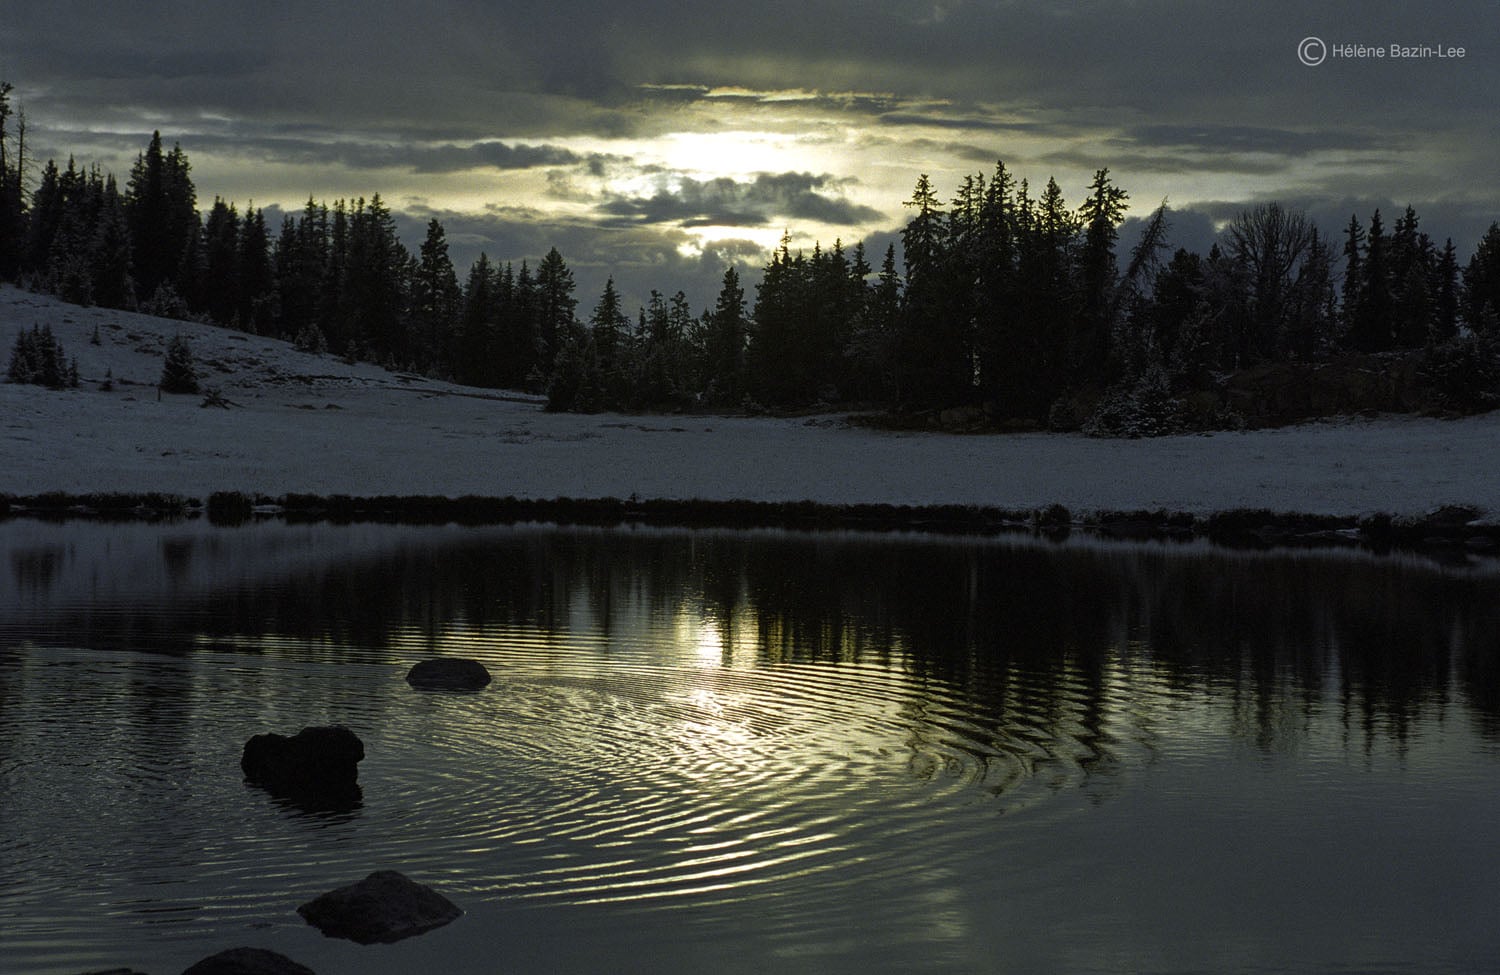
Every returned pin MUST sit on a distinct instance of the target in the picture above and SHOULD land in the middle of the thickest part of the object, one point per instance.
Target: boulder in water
(319, 763)
(248, 961)
(448, 674)
(384, 907)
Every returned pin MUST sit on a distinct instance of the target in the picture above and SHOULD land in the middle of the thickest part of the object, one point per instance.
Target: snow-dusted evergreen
(309, 423)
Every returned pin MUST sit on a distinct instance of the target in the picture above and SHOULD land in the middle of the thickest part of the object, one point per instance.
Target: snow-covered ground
(313, 424)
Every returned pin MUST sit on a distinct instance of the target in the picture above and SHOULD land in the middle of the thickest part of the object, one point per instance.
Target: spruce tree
(221, 282)
(178, 373)
(38, 359)
(113, 285)
(476, 330)
(725, 332)
(554, 307)
(256, 275)
(435, 300)
(1100, 216)
(1481, 290)
(1371, 329)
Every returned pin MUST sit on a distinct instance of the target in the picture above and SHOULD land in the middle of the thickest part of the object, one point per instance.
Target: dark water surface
(752, 752)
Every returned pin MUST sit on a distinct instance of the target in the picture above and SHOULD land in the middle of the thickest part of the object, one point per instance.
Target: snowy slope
(314, 424)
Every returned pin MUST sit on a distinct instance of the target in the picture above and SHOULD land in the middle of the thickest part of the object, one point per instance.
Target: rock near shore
(248, 961)
(448, 674)
(318, 765)
(386, 906)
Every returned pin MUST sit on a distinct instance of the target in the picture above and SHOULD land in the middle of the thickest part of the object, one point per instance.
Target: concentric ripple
(584, 774)
(584, 777)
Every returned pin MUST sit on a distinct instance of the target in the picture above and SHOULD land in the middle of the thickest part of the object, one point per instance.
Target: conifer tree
(375, 284)
(476, 330)
(1354, 274)
(1444, 324)
(221, 283)
(1481, 290)
(178, 373)
(38, 359)
(611, 347)
(554, 309)
(255, 311)
(162, 206)
(1100, 216)
(933, 338)
(1370, 330)
(435, 303)
(113, 285)
(725, 331)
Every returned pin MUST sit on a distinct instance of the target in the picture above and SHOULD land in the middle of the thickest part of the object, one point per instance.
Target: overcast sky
(657, 141)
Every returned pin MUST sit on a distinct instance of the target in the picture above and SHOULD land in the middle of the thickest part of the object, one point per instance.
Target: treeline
(1008, 300)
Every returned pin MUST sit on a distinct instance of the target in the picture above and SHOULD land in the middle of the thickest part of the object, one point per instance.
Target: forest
(1009, 308)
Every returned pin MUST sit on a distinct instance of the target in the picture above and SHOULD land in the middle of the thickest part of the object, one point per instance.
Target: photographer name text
(1396, 52)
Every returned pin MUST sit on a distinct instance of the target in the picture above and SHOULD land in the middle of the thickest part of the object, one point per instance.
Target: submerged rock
(317, 766)
(448, 673)
(248, 961)
(384, 907)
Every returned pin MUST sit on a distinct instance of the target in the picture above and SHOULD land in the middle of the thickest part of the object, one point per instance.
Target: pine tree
(1354, 273)
(113, 285)
(1371, 329)
(221, 283)
(555, 308)
(726, 329)
(257, 276)
(376, 284)
(1412, 266)
(38, 359)
(608, 326)
(1100, 216)
(934, 337)
(435, 303)
(162, 206)
(1481, 290)
(998, 339)
(476, 330)
(1444, 325)
(178, 373)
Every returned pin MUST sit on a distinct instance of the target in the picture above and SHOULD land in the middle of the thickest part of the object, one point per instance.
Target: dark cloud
(1210, 93)
(1222, 138)
(726, 202)
(640, 259)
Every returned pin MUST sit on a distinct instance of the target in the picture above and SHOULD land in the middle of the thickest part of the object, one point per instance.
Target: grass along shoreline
(1450, 533)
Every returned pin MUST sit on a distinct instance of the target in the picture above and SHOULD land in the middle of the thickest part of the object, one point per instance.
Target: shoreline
(332, 436)
(1449, 533)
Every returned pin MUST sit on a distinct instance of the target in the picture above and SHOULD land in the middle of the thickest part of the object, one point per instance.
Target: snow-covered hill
(305, 423)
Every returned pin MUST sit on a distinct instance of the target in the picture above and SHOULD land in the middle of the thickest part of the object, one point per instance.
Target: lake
(752, 751)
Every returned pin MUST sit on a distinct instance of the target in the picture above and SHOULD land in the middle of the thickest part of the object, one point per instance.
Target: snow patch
(314, 424)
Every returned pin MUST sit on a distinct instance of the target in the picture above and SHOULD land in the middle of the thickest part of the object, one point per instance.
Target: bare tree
(1270, 245)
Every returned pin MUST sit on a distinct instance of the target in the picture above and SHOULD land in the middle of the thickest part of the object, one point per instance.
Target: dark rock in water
(317, 767)
(384, 907)
(448, 673)
(248, 961)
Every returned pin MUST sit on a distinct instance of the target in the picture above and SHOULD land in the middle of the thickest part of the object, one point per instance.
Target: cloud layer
(812, 116)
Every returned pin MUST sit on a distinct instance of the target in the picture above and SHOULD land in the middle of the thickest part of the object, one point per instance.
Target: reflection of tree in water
(34, 569)
(1031, 631)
